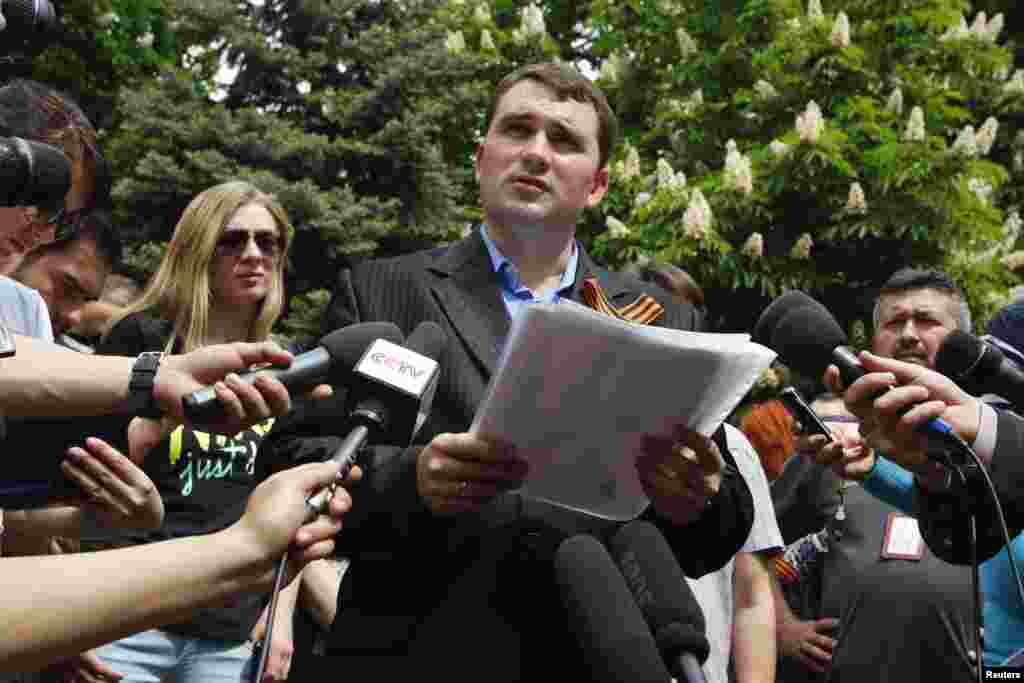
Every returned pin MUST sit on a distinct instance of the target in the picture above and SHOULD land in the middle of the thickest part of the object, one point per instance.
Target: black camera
(25, 25)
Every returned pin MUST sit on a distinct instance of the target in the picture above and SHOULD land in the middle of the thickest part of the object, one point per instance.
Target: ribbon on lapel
(644, 311)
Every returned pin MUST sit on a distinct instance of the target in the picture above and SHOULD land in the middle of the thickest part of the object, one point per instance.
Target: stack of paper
(576, 391)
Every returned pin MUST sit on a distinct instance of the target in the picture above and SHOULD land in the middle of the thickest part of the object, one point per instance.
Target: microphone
(33, 174)
(22, 20)
(334, 358)
(980, 368)
(808, 339)
(606, 620)
(666, 601)
(390, 391)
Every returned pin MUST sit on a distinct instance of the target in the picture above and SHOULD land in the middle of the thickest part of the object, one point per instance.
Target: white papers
(576, 391)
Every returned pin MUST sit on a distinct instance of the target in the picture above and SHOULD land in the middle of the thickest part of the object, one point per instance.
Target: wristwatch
(140, 388)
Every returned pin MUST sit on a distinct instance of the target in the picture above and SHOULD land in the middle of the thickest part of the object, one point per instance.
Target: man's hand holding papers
(680, 474)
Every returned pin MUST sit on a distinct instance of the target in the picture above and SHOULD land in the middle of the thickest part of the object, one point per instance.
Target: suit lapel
(469, 295)
(587, 269)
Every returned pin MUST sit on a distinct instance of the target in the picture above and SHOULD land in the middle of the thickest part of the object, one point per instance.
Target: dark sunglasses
(234, 242)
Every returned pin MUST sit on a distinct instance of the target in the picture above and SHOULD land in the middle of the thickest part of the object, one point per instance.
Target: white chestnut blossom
(697, 218)
(631, 167)
(738, 174)
(994, 28)
(486, 41)
(810, 124)
(1016, 84)
(687, 45)
(669, 178)
(765, 90)
(981, 189)
(616, 228)
(779, 148)
(107, 20)
(966, 143)
(979, 29)
(533, 21)
(841, 31)
(802, 249)
(855, 202)
(814, 12)
(957, 32)
(895, 103)
(455, 42)
(641, 199)
(145, 40)
(481, 15)
(915, 126)
(754, 246)
(986, 136)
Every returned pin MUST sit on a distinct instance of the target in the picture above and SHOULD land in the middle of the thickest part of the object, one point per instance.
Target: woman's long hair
(180, 290)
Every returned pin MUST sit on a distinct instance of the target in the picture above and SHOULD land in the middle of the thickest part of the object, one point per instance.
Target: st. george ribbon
(808, 339)
(659, 586)
(611, 631)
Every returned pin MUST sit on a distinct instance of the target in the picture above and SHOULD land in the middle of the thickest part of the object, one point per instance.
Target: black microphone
(389, 392)
(24, 22)
(808, 339)
(602, 613)
(980, 368)
(33, 173)
(666, 601)
(333, 359)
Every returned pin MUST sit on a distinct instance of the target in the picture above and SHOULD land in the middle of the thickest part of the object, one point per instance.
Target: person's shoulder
(11, 287)
(142, 327)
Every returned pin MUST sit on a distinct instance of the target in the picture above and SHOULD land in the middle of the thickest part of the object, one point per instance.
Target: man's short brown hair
(567, 83)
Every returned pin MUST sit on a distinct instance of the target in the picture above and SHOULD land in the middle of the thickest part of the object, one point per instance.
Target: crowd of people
(812, 557)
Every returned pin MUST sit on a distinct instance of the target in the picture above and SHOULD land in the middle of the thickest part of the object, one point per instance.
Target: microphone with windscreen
(33, 174)
(659, 586)
(808, 339)
(980, 368)
(611, 631)
(331, 361)
(389, 393)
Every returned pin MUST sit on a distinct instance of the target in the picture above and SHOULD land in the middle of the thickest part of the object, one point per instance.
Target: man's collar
(509, 274)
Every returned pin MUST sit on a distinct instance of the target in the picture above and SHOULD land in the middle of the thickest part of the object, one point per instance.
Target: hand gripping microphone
(666, 601)
(604, 616)
(333, 359)
(980, 367)
(389, 392)
(808, 339)
(33, 174)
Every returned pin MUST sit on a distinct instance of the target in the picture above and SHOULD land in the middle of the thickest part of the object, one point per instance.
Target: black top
(204, 480)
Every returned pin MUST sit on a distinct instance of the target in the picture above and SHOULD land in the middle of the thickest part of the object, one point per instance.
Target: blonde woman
(222, 280)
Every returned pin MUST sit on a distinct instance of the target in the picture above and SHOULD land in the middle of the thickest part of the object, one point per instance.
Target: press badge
(903, 540)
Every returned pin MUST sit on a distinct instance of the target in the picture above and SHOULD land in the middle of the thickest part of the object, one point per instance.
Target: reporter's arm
(754, 625)
(58, 606)
(319, 589)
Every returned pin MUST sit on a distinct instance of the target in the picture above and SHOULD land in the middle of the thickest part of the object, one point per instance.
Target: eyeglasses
(235, 242)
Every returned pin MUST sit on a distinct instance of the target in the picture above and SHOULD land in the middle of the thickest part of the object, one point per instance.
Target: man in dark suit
(450, 574)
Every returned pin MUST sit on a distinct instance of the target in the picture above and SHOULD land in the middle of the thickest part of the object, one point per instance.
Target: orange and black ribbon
(644, 311)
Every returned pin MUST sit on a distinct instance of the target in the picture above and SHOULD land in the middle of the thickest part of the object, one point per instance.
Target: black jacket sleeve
(944, 516)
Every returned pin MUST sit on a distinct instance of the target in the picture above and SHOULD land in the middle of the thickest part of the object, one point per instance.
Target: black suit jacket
(944, 517)
(429, 588)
